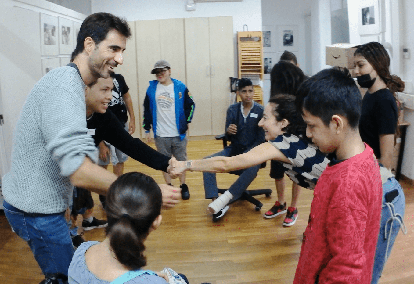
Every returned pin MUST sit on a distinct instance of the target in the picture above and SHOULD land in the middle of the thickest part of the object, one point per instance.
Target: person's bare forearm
(92, 177)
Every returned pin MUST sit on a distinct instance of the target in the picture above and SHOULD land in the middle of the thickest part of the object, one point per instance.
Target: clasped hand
(176, 168)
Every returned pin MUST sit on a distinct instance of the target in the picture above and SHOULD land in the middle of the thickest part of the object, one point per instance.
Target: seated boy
(244, 133)
(341, 237)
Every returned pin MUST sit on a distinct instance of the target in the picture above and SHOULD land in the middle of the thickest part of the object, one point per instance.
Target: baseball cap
(160, 64)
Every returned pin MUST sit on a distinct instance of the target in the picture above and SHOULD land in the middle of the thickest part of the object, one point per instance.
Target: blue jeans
(236, 189)
(392, 216)
(47, 236)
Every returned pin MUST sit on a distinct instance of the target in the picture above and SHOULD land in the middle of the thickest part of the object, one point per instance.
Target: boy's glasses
(160, 72)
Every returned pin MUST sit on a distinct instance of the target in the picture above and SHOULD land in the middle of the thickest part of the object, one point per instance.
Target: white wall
(287, 13)
(81, 6)
(321, 33)
(407, 41)
(246, 12)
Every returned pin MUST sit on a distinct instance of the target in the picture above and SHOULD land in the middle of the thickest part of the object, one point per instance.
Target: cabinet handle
(1, 119)
(212, 70)
(208, 71)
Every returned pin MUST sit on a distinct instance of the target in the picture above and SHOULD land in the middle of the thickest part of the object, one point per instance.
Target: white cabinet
(210, 63)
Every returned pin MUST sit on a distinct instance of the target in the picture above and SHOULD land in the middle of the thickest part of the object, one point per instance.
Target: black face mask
(365, 81)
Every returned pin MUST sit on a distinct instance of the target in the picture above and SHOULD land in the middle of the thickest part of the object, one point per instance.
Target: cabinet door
(129, 70)
(198, 73)
(172, 46)
(222, 67)
(147, 34)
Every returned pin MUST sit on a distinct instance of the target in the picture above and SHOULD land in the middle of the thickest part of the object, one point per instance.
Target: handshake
(177, 168)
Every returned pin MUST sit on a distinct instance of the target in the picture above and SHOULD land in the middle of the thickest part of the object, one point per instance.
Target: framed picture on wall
(65, 36)
(76, 28)
(369, 17)
(49, 34)
(49, 64)
(269, 59)
(269, 44)
(287, 38)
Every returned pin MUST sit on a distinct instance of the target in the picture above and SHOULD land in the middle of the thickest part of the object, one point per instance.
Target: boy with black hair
(340, 240)
(243, 132)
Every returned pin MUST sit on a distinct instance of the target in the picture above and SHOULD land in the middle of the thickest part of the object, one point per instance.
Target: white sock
(89, 220)
(220, 202)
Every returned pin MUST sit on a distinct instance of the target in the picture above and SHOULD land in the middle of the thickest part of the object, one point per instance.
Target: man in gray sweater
(53, 149)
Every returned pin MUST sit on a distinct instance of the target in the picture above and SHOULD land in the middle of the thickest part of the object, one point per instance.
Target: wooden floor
(242, 248)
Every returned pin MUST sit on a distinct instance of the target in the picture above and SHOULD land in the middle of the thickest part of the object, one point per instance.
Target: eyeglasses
(160, 72)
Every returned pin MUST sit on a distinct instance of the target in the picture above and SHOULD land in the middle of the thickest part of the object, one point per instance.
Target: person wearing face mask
(378, 127)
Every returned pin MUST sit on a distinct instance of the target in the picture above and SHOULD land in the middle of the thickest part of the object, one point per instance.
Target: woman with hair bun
(378, 128)
(133, 208)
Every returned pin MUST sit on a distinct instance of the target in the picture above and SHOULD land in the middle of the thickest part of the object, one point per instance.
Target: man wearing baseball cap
(169, 108)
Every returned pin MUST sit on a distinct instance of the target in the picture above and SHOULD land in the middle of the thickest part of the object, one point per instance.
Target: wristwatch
(188, 164)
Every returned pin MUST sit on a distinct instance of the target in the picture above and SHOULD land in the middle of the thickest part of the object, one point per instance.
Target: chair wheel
(257, 208)
(267, 194)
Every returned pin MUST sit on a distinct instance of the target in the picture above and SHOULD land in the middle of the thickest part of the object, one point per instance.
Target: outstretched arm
(255, 156)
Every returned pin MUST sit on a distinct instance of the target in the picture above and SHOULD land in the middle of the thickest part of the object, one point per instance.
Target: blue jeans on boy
(236, 189)
(392, 216)
(47, 236)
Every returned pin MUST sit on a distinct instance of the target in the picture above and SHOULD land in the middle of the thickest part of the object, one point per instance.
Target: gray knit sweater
(50, 143)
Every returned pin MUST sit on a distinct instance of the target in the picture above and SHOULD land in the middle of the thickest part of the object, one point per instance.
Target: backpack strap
(131, 275)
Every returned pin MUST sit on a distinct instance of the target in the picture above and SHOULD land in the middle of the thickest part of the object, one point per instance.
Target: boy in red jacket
(341, 237)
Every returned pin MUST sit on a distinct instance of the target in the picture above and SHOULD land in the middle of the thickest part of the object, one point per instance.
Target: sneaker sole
(95, 227)
(274, 215)
(221, 213)
(290, 224)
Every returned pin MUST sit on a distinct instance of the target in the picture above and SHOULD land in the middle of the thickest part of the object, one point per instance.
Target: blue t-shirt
(308, 162)
(79, 272)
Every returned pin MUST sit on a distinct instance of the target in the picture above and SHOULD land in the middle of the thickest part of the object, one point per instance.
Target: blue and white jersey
(308, 162)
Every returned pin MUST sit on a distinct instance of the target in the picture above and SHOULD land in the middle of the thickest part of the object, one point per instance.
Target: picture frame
(49, 37)
(369, 17)
(76, 28)
(268, 35)
(49, 64)
(65, 36)
(269, 60)
(288, 38)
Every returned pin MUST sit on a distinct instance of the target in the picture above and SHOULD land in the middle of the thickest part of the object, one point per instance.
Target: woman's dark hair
(331, 92)
(97, 27)
(289, 56)
(285, 108)
(378, 57)
(285, 78)
(244, 82)
(133, 202)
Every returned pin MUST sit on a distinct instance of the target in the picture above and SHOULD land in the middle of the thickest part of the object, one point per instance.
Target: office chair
(247, 194)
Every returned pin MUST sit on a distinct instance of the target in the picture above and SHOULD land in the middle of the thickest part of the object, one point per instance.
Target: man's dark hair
(244, 82)
(97, 27)
(289, 56)
(285, 78)
(331, 92)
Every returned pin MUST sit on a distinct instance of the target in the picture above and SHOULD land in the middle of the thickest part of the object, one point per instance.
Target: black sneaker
(185, 193)
(77, 240)
(54, 279)
(220, 214)
(94, 224)
(276, 210)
